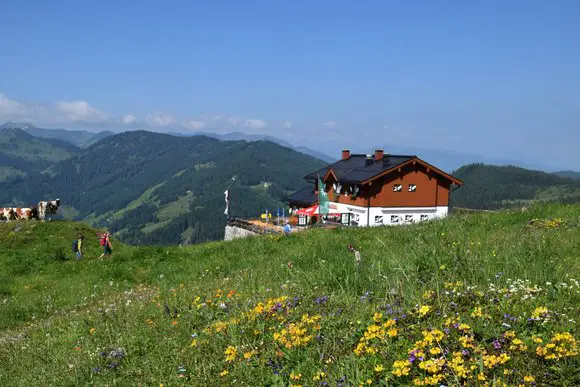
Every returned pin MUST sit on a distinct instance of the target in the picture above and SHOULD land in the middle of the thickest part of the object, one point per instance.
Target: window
(397, 187)
(412, 187)
(379, 219)
(424, 217)
(408, 218)
(394, 218)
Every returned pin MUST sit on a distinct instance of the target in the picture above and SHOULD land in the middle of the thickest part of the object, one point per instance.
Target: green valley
(151, 188)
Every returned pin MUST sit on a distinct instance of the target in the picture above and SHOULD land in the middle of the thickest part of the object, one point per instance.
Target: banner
(227, 194)
(322, 198)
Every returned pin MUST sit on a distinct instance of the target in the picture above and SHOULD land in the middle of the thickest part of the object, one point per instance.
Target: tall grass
(129, 319)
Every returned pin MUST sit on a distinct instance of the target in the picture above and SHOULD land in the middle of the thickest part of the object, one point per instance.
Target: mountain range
(494, 187)
(447, 160)
(158, 188)
(22, 154)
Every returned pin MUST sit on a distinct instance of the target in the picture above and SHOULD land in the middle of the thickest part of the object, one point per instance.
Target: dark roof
(304, 196)
(355, 169)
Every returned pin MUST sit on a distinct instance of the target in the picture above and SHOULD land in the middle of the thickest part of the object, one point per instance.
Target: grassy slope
(48, 306)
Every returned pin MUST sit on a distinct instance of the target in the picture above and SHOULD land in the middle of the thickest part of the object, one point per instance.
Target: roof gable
(358, 169)
(413, 161)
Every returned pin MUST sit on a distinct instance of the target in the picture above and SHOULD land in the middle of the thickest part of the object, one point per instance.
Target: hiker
(105, 241)
(78, 247)
(287, 228)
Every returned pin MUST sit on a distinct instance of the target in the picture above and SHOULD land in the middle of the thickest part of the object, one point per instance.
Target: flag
(322, 198)
(227, 194)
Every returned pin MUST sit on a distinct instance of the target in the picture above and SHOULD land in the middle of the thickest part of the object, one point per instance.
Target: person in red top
(105, 241)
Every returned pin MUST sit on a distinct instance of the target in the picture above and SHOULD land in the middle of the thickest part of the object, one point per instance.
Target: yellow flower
(247, 355)
(423, 310)
(392, 332)
(319, 376)
(464, 327)
(442, 267)
(231, 353)
(378, 317)
(435, 351)
(529, 379)
(193, 343)
(481, 377)
(379, 368)
(224, 373)
(294, 376)
(539, 312)
(92, 331)
(477, 312)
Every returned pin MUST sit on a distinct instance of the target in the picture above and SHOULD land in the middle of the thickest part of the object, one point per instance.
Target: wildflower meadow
(472, 300)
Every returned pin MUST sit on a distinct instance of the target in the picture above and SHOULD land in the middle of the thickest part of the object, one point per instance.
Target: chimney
(369, 160)
(379, 154)
(345, 154)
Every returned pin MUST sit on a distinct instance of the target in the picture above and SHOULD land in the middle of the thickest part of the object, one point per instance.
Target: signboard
(345, 219)
(302, 220)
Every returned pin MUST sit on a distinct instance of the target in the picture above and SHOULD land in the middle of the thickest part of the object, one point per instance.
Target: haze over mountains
(447, 160)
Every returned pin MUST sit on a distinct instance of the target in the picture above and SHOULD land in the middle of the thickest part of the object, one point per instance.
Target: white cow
(47, 208)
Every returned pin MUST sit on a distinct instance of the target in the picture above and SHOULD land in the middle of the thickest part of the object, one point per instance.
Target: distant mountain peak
(17, 125)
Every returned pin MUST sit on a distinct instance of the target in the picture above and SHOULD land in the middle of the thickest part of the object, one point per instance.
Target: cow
(47, 208)
(25, 213)
(17, 213)
(7, 214)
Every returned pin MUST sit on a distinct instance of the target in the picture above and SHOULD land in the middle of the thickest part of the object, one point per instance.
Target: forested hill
(21, 153)
(493, 187)
(157, 188)
(79, 138)
(568, 174)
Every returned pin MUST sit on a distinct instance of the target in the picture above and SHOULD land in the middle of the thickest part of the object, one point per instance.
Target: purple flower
(446, 330)
(321, 300)
(97, 370)
(113, 365)
(455, 325)
(465, 352)
(412, 359)
(496, 344)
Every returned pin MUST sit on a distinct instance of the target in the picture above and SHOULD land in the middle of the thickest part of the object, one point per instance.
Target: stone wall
(234, 232)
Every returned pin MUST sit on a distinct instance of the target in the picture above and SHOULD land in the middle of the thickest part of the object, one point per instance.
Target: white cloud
(128, 119)
(196, 125)
(80, 111)
(330, 124)
(287, 124)
(234, 120)
(255, 124)
(11, 110)
(159, 119)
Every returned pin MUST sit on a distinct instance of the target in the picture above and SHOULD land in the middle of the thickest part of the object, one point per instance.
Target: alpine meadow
(469, 300)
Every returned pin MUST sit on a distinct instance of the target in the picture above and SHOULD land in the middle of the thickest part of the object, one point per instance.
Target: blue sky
(491, 77)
